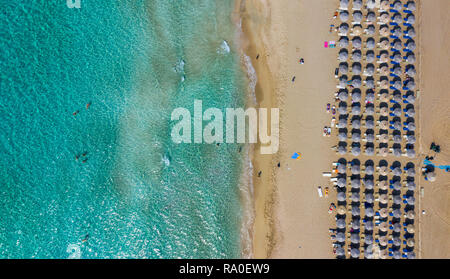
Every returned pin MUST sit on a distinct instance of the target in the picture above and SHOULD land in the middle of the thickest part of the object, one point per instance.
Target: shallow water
(138, 195)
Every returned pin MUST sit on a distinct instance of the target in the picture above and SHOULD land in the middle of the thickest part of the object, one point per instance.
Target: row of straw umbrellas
(395, 97)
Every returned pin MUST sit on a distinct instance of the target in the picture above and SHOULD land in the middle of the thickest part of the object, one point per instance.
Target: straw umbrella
(397, 199)
(411, 45)
(397, 18)
(343, 16)
(370, 70)
(370, 138)
(411, 58)
(411, 153)
(410, 200)
(397, 44)
(342, 150)
(383, 125)
(343, 4)
(355, 197)
(370, 170)
(343, 28)
(369, 197)
(383, 212)
(383, 57)
(397, 138)
(411, 6)
(340, 223)
(356, 42)
(356, 211)
(356, 56)
(396, 255)
(341, 210)
(383, 254)
(356, 68)
(397, 5)
(355, 183)
(340, 237)
(410, 19)
(354, 253)
(368, 240)
(411, 255)
(356, 151)
(371, 17)
(341, 182)
(410, 84)
(383, 170)
(368, 183)
(384, 18)
(384, 112)
(343, 42)
(356, 224)
(410, 172)
(397, 227)
(357, 4)
(341, 196)
(383, 239)
(356, 123)
(411, 126)
(370, 30)
(340, 252)
(411, 139)
(383, 227)
(384, 31)
(354, 238)
(383, 152)
(397, 171)
(343, 109)
(369, 212)
(396, 241)
(411, 70)
(397, 186)
(384, 70)
(397, 213)
(411, 32)
(342, 123)
(410, 228)
(410, 112)
(356, 137)
(343, 55)
(397, 31)
(357, 16)
(384, 5)
(411, 99)
(343, 68)
(410, 215)
(356, 110)
(371, 4)
(370, 43)
(411, 185)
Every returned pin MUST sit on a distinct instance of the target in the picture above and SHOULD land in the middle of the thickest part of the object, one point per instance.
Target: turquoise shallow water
(138, 195)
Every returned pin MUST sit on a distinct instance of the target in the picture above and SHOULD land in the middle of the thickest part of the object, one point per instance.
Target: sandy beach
(434, 226)
(291, 221)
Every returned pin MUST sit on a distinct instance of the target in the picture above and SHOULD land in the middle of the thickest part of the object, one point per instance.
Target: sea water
(106, 180)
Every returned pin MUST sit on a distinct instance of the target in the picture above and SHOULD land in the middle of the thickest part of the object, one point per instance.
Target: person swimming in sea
(85, 238)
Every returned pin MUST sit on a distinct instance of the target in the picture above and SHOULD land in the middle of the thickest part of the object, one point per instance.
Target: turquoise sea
(132, 192)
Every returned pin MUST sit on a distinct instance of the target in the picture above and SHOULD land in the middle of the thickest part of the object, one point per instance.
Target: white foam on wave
(247, 202)
(252, 78)
(224, 48)
(74, 251)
